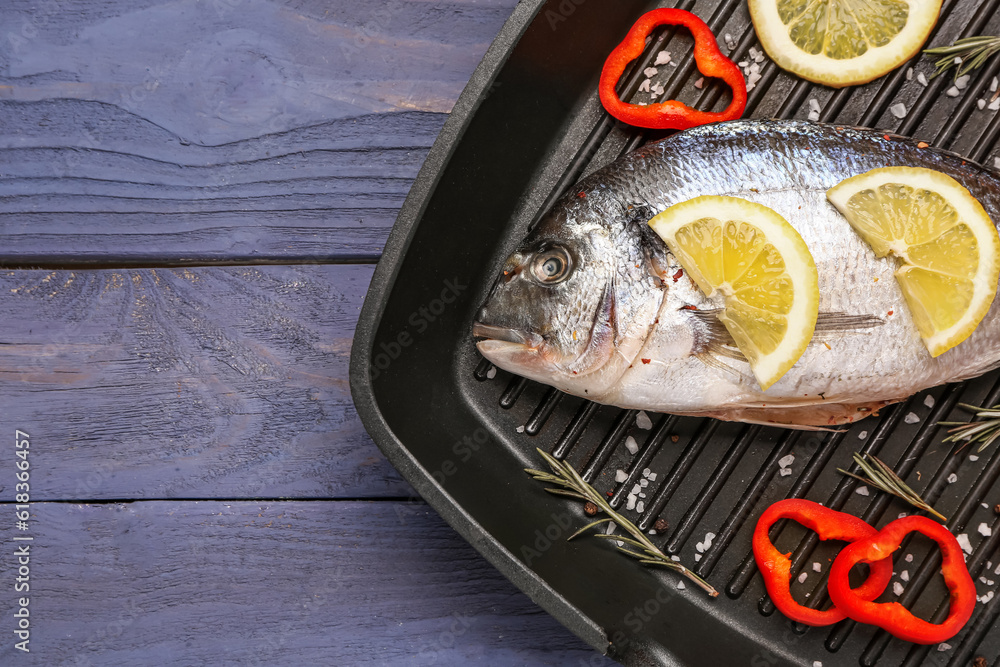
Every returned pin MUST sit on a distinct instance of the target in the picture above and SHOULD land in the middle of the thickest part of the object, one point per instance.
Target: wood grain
(188, 383)
(224, 131)
(295, 583)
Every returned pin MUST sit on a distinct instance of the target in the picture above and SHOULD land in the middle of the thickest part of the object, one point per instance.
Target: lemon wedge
(842, 42)
(948, 247)
(760, 265)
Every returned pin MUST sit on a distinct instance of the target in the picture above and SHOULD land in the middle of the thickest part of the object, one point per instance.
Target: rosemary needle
(882, 477)
(984, 432)
(972, 52)
(573, 486)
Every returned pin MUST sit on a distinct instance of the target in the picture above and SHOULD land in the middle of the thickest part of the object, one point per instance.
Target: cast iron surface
(526, 128)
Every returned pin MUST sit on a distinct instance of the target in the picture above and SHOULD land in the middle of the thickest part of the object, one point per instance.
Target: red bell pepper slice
(892, 616)
(671, 114)
(829, 525)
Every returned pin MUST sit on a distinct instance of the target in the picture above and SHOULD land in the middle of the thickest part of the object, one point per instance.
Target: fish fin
(709, 359)
(715, 339)
(829, 325)
(719, 341)
(806, 417)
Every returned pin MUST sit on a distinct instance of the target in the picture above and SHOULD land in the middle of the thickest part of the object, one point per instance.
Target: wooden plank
(243, 583)
(324, 193)
(188, 383)
(190, 131)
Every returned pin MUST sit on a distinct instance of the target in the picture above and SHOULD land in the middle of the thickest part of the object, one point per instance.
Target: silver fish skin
(591, 301)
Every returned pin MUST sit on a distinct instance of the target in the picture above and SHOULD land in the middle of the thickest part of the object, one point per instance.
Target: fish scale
(787, 166)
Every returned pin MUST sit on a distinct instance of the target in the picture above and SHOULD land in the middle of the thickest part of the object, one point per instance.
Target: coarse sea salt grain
(817, 663)
(642, 421)
(997, 571)
(650, 72)
(676, 559)
(784, 472)
(611, 528)
(862, 435)
(981, 103)
(492, 373)
(699, 83)
(817, 567)
(644, 483)
(813, 115)
(697, 557)
(652, 477)
(519, 429)
(994, 105)
(952, 92)
(962, 82)
(644, 86)
(708, 539)
(786, 461)
(640, 506)
(645, 472)
(909, 558)
(984, 530)
(802, 577)
(986, 598)
(620, 476)
(861, 491)
(993, 85)
(636, 488)
(944, 647)
(911, 418)
(630, 502)
(631, 445)
(909, 74)
(929, 401)
(901, 515)
(662, 58)
(974, 458)
(657, 90)
(898, 110)
(905, 575)
(952, 478)
(897, 588)
(814, 104)
(922, 79)
(744, 64)
(996, 163)
(680, 585)
(963, 541)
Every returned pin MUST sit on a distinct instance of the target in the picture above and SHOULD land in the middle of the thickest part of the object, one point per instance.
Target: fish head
(574, 303)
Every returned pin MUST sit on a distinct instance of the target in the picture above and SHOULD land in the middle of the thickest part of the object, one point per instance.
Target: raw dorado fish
(593, 303)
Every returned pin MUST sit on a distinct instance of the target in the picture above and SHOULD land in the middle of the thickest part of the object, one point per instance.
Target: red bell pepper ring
(829, 525)
(892, 616)
(671, 114)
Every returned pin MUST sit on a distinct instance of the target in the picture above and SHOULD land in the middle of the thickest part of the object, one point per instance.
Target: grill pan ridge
(526, 128)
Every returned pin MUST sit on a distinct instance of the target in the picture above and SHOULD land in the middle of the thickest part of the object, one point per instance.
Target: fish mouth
(489, 332)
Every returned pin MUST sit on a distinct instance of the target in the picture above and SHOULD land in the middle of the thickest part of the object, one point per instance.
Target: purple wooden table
(192, 198)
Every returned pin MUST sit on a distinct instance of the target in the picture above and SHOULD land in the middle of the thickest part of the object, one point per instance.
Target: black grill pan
(526, 128)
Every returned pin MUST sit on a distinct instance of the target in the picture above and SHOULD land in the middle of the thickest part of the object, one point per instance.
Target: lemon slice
(948, 247)
(842, 42)
(761, 266)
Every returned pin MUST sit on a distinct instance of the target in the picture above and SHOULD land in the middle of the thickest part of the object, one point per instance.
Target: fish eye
(551, 266)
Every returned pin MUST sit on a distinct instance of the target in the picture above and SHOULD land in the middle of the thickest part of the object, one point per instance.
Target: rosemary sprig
(573, 486)
(881, 476)
(984, 432)
(972, 51)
